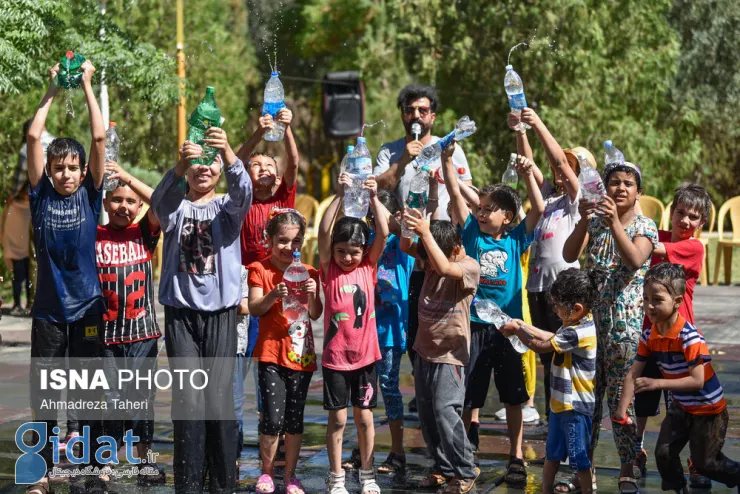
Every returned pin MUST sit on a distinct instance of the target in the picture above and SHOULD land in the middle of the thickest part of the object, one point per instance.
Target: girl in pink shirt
(348, 273)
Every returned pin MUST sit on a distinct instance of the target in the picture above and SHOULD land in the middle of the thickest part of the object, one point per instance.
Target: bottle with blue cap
(612, 155)
(274, 102)
(343, 166)
(295, 305)
(515, 91)
(359, 167)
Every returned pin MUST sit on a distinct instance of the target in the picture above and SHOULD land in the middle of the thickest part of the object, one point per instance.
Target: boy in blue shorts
(488, 239)
(65, 197)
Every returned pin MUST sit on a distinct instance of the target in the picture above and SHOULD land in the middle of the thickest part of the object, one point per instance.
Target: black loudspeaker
(344, 104)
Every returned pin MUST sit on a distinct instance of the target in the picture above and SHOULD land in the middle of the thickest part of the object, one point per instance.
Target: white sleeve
(460, 161)
(383, 160)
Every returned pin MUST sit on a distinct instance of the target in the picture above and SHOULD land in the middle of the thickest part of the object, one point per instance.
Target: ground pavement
(717, 312)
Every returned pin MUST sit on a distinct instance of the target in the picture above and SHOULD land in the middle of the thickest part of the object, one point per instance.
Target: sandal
(516, 472)
(696, 480)
(434, 480)
(265, 484)
(631, 483)
(393, 464)
(154, 476)
(354, 462)
(367, 482)
(566, 487)
(641, 465)
(294, 486)
(335, 483)
(39, 488)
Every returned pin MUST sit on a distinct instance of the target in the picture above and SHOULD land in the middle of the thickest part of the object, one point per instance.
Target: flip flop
(268, 485)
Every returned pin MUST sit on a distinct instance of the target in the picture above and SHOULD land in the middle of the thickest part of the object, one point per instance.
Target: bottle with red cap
(70, 70)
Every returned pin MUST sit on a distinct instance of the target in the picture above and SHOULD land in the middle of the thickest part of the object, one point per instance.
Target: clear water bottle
(418, 196)
(510, 176)
(295, 305)
(612, 155)
(464, 128)
(274, 102)
(359, 167)
(515, 91)
(343, 166)
(592, 187)
(112, 146)
(491, 313)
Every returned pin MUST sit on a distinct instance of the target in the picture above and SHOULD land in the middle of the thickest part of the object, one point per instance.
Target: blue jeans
(388, 369)
(241, 369)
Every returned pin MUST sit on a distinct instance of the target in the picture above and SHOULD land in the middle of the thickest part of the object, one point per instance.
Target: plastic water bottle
(418, 196)
(592, 187)
(510, 176)
(464, 128)
(112, 145)
(343, 166)
(205, 115)
(359, 167)
(295, 305)
(612, 155)
(515, 90)
(273, 103)
(70, 70)
(491, 313)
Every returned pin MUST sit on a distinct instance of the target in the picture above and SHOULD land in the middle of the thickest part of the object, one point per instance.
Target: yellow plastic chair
(307, 206)
(308, 253)
(652, 208)
(704, 275)
(725, 246)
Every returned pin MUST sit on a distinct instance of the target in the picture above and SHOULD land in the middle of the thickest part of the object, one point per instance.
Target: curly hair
(578, 286)
(412, 92)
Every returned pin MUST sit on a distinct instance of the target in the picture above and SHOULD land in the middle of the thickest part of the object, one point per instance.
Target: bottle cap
(274, 74)
(512, 156)
(296, 255)
(350, 148)
(509, 67)
(360, 140)
(608, 143)
(111, 124)
(209, 89)
(70, 54)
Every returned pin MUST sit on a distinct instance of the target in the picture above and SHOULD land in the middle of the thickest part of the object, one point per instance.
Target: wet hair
(693, 196)
(445, 234)
(504, 197)
(259, 153)
(578, 286)
(671, 276)
(412, 92)
(623, 168)
(287, 218)
(61, 147)
(353, 231)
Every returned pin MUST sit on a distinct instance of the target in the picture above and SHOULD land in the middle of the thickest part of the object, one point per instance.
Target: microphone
(416, 130)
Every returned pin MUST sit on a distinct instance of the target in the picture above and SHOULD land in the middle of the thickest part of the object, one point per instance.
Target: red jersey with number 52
(124, 259)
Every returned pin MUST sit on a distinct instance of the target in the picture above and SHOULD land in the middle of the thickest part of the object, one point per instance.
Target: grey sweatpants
(440, 392)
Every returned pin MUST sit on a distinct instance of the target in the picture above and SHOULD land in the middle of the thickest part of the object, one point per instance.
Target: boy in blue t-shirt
(488, 239)
(65, 197)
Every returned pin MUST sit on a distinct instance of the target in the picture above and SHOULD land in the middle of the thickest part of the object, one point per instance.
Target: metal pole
(181, 118)
(104, 106)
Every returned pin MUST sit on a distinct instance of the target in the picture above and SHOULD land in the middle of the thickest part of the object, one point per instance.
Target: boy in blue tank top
(65, 196)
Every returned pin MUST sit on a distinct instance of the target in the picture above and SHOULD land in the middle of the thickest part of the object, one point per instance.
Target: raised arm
(140, 188)
(408, 246)
(382, 216)
(170, 192)
(265, 123)
(96, 162)
(290, 175)
(578, 239)
(555, 154)
(437, 259)
(330, 215)
(34, 149)
(460, 210)
(525, 168)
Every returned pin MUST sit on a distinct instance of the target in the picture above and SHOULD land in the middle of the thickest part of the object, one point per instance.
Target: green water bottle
(205, 115)
(70, 70)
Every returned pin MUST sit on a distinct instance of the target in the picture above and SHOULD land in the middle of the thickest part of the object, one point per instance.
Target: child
(270, 191)
(130, 326)
(200, 291)
(689, 211)
(699, 412)
(442, 347)
(16, 225)
(348, 274)
(65, 198)
(560, 217)
(621, 241)
(488, 240)
(573, 294)
(285, 350)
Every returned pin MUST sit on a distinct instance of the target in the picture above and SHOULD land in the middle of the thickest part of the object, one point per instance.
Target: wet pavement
(717, 313)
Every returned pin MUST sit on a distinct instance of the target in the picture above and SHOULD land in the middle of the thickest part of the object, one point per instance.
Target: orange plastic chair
(704, 275)
(310, 241)
(724, 245)
(652, 208)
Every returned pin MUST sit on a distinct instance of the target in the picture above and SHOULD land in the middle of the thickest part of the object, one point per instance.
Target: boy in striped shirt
(699, 412)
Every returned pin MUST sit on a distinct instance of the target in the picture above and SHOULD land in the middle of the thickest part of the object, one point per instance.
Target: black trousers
(415, 283)
(205, 426)
(21, 276)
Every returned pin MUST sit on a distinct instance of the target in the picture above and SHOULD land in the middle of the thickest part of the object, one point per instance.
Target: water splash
(362, 132)
(508, 59)
(68, 107)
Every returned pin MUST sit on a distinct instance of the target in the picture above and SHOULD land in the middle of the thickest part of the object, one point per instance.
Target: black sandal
(516, 472)
(393, 464)
(354, 462)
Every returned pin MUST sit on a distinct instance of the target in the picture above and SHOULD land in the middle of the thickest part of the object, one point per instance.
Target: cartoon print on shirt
(493, 262)
(359, 302)
(301, 349)
(196, 247)
(334, 327)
